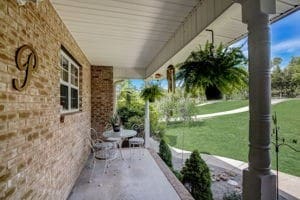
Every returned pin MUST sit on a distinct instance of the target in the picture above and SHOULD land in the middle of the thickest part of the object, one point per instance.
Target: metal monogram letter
(30, 66)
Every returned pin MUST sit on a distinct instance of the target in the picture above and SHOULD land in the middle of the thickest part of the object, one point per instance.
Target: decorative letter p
(29, 66)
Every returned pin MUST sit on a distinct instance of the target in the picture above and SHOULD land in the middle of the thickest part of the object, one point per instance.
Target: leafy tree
(165, 153)
(278, 82)
(168, 106)
(294, 69)
(286, 81)
(276, 61)
(215, 70)
(196, 174)
(294, 61)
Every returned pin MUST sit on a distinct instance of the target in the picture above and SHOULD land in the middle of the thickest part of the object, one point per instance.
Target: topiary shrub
(196, 175)
(232, 196)
(165, 153)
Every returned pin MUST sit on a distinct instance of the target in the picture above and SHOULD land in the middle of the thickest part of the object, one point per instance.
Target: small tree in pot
(115, 122)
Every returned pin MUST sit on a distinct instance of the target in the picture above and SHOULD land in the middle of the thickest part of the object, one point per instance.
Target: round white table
(119, 137)
(123, 134)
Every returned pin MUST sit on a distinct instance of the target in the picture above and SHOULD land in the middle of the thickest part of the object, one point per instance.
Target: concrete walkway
(239, 110)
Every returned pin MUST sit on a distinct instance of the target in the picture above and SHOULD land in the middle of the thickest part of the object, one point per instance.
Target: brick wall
(40, 158)
(102, 96)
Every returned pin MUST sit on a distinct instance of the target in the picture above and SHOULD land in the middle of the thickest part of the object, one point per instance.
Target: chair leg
(130, 152)
(92, 173)
(106, 162)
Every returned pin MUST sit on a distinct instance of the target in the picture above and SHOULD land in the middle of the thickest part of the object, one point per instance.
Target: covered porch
(73, 54)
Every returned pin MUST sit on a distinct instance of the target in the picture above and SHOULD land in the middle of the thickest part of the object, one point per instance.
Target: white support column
(115, 97)
(147, 124)
(258, 181)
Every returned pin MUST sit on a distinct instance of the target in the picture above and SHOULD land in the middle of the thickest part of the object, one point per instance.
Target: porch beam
(128, 73)
(196, 22)
(258, 181)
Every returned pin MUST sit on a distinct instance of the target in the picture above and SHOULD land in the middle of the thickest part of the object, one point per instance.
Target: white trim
(69, 84)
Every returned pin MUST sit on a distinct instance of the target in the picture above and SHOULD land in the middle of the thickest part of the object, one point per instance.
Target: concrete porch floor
(143, 180)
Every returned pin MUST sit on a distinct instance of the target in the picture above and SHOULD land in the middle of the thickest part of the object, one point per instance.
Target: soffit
(122, 33)
(142, 37)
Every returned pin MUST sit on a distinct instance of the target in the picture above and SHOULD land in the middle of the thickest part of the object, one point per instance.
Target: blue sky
(285, 41)
(285, 35)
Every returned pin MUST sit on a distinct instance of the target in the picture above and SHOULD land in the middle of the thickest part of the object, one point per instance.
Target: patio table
(122, 135)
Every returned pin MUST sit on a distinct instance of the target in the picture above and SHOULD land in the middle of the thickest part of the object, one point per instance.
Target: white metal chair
(138, 140)
(101, 151)
(116, 141)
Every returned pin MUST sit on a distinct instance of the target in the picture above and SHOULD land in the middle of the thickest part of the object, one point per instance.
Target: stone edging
(177, 185)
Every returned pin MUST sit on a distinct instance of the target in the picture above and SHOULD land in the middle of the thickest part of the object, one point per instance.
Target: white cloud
(290, 46)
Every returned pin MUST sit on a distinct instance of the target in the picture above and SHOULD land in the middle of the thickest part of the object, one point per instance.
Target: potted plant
(213, 70)
(152, 92)
(115, 122)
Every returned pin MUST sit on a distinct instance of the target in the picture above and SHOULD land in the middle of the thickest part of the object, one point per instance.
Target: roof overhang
(227, 26)
(142, 37)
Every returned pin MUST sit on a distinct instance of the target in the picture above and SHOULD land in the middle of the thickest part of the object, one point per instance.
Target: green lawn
(220, 106)
(228, 135)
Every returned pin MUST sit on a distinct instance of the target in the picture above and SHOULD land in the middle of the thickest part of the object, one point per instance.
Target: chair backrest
(94, 134)
(108, 127)
(93, 137)
(139, 128)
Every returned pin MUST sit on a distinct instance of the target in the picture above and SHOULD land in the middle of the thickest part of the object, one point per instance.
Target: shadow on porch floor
(143, 180)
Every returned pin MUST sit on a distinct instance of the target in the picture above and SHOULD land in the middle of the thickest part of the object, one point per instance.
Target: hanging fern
(209, 68)
(152, 92)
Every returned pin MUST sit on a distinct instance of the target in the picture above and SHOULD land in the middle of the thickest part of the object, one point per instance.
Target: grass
(228, 136)
(220, 106)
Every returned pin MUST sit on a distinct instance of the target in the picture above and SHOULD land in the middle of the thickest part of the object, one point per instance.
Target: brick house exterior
(40, 156)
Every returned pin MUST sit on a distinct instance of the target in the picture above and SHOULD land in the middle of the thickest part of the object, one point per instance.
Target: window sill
(62, 115)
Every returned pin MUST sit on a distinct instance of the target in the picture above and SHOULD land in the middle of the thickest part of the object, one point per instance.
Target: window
(69, 84)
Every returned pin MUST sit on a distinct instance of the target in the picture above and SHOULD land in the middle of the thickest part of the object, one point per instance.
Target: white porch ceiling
(123, 33)
(141, 37)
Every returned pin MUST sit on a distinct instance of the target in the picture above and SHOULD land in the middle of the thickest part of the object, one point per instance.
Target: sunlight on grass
(220, 106)
(228, 135)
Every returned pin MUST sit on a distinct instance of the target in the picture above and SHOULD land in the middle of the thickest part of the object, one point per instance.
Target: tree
(294, 69)
(216, 70)
(277, 61)
(197, 176)
(278, 82)
(286, 81)
(165, 153)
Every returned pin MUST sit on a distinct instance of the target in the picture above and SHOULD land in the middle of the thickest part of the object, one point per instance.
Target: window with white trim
(69, 84)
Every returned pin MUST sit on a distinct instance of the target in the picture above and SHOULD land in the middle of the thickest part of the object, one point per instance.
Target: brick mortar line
(176, 184)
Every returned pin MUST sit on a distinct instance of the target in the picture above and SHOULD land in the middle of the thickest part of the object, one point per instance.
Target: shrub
(197, 176)
(177, 174)
(232, 196)
(165, 153)
(159, 131)
(134, 120)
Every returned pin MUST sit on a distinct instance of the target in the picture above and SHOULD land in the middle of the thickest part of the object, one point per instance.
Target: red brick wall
(40, 158)
(102, 96)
